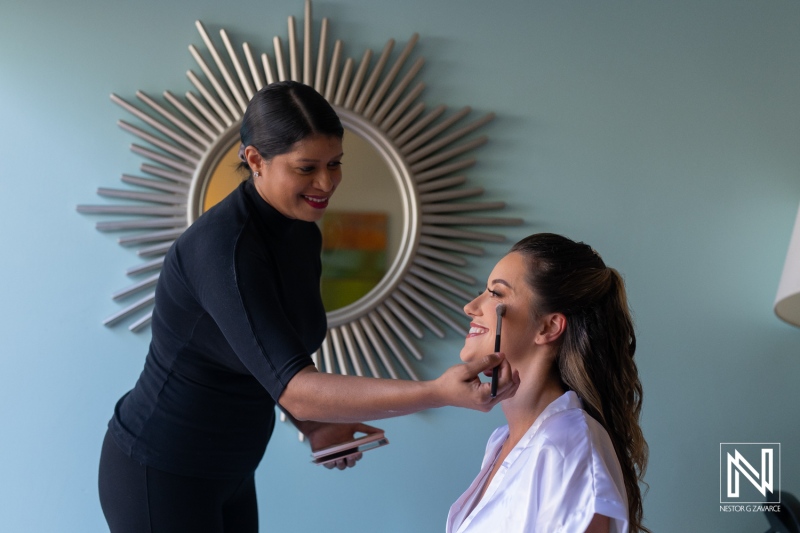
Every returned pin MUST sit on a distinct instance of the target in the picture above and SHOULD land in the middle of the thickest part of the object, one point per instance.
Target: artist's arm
(311, 395)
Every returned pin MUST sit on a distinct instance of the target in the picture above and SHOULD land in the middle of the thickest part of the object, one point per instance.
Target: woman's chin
(463, 355)
(467, 354)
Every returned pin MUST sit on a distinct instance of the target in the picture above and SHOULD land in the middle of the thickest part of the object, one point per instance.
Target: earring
(255, 174)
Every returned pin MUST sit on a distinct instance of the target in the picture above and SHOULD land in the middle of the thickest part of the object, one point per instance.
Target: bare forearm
(334, 398)
(311, 395)
(304, 426)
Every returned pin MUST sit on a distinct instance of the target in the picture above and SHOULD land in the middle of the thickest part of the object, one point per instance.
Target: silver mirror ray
(184, 140)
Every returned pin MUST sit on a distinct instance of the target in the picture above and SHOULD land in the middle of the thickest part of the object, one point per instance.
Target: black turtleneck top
(237, 314)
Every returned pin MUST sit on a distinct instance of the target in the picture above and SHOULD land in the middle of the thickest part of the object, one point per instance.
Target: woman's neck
(540, 385)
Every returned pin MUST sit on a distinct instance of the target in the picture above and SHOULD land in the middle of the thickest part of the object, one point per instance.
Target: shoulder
(568, 439)
(220, 230)
(567, 428)
(228, 215)
(575, 465)
(579, 447)
(574, 436)
(209, 245)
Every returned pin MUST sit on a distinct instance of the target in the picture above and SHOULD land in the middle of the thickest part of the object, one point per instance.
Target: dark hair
(595, 355)
(283, 113)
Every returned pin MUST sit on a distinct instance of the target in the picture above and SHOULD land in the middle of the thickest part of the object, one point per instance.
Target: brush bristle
(500, 309)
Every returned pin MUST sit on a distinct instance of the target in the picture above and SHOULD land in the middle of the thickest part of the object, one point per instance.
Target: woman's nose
(326, 181)
(471, 308)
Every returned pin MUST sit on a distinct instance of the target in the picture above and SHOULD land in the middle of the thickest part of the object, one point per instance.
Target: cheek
(295, 188)
(517, 336)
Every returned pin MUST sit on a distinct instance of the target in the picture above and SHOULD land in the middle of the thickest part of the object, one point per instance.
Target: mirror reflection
(361, 229)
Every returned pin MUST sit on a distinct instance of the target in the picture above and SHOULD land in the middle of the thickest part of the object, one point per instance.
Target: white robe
(558, 476)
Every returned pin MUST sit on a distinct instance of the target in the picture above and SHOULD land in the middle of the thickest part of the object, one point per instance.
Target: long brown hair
(595, 357)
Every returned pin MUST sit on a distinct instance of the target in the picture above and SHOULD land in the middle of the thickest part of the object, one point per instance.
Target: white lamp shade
(787, 302)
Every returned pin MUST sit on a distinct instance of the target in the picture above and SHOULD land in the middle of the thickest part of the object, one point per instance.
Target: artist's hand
(460, 385)
(324, 434)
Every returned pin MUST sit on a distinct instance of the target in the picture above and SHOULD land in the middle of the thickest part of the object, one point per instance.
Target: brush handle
(500, 310)
(495, 370)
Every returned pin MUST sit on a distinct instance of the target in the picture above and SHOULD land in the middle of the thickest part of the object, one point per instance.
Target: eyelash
(494, 294)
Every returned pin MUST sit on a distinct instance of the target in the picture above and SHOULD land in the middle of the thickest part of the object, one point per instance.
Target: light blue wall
(665, 134)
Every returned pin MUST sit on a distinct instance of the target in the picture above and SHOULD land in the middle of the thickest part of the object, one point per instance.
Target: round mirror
(361, 229)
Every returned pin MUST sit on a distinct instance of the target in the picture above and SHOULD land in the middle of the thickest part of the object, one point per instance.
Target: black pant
(139, 499)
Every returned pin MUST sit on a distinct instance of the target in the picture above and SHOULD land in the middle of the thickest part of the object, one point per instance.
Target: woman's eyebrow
(502, 282)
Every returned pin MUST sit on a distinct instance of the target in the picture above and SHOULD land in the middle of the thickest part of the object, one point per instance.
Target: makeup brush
(500, 310)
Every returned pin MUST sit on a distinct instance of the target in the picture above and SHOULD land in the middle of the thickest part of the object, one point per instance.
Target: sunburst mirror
(407, 233)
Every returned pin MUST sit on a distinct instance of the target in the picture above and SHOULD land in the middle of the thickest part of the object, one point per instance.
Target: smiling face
(299, 183)
(506, 285)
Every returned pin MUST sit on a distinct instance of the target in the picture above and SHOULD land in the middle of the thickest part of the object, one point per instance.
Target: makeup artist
(237, 315)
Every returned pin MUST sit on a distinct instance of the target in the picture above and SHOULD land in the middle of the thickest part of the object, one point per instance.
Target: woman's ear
(551, 328)
(253, 158)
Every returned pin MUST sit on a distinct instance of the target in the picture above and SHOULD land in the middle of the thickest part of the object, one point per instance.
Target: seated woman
(572, 454)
